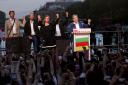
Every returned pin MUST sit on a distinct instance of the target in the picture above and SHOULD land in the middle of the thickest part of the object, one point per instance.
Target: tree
(96, 9)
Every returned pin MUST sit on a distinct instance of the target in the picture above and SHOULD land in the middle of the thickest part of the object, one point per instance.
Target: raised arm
(22, 24)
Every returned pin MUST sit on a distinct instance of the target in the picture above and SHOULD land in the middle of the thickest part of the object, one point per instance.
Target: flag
(81, 43)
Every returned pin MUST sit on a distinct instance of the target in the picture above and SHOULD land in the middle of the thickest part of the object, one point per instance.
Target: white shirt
(14, 26)
(77, 26)
(32, 28)
(58, 33)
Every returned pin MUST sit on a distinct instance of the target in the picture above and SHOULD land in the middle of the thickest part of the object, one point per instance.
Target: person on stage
(59, 28)
(48, 33)
(60, 34)
(12, 26)
(12, 32)
(32, 32)
(76, 24)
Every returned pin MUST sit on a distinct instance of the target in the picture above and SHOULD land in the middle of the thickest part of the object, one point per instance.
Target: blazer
(8, 28)
(62, 29)
(71, 26)
(27, 29)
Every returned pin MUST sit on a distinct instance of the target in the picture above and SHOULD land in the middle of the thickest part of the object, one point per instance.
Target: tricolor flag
(81, 43)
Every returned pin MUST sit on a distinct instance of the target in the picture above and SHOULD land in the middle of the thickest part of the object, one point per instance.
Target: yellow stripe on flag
(81, 48)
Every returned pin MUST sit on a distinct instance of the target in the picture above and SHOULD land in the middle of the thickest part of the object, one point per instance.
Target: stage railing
(119, 34)
(116, 45)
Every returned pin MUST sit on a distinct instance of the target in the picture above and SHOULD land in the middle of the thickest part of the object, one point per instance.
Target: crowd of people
(45, 69)
(48, 64)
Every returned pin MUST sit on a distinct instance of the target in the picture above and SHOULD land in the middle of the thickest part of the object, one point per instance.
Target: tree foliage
(96, 9)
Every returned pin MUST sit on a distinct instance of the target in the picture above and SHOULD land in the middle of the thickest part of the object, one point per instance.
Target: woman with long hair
(48, 33)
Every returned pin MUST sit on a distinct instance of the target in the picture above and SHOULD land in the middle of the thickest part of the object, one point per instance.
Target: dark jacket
(62, 28)
(27, 28)
(71, 26)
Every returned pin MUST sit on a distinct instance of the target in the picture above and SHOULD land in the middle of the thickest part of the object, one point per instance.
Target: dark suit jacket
(62, 29)
(27, 28)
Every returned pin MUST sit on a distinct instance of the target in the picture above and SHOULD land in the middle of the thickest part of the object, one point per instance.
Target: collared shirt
(77, 25)
(14, 26)
(58, 33)
(32, 28)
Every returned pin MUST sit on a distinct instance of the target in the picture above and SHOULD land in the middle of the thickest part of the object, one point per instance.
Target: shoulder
(28, 22)
(70, 24)
(81, 22)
